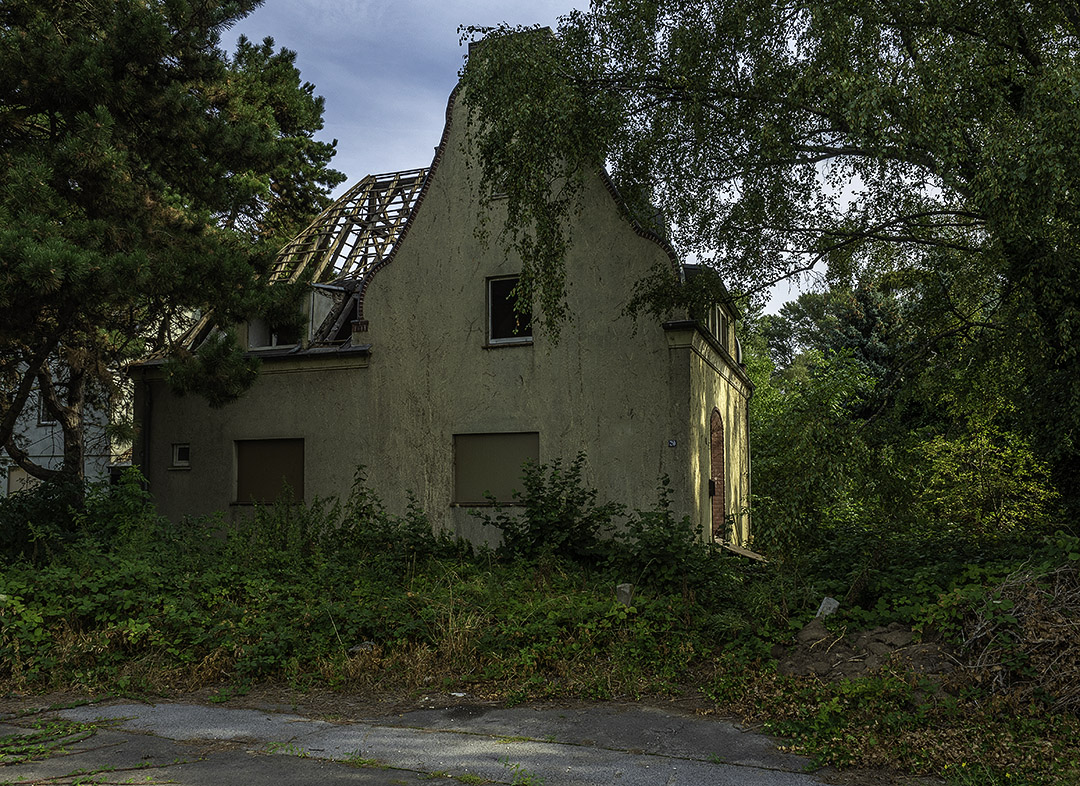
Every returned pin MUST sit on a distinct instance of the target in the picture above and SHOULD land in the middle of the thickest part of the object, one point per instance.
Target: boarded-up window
(264, 467)
(505, 324)
(491, 463)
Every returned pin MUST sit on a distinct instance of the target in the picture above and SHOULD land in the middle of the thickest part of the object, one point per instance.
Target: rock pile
(819, 653)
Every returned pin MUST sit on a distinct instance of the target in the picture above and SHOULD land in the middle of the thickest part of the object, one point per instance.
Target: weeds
(45, 737)
(519, 775)
(357, 759)
(349, 597)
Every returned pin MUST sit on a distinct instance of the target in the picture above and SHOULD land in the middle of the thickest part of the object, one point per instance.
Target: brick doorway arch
(717, 476)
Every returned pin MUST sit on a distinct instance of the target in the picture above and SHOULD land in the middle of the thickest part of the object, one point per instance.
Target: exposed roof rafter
(346, 240)
(355, 233)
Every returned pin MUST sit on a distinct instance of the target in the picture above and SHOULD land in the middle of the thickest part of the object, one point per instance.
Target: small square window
(505, 324)
(181, 454)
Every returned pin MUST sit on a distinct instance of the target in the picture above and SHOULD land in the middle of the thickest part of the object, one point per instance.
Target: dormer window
(505, 324)
(262, 336)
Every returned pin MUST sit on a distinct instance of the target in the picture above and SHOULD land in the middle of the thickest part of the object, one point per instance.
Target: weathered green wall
(313, 400)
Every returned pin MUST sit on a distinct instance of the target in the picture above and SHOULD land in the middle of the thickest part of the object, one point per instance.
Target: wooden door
(717, 475)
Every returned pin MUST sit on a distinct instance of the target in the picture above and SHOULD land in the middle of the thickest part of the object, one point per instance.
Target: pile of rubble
(817, 652)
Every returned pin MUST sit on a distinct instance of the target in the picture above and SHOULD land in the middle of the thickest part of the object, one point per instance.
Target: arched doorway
(717, 476)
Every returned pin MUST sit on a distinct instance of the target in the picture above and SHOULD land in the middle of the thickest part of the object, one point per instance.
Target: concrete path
(196, 745)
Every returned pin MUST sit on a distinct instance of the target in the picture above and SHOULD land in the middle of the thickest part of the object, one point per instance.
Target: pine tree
(145, 177)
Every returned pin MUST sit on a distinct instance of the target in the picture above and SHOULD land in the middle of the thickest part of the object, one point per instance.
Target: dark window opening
(181, 454)
(262, 335)
(45, 417)
(505, 324)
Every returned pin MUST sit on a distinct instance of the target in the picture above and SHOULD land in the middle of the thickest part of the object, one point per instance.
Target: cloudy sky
(386, 69)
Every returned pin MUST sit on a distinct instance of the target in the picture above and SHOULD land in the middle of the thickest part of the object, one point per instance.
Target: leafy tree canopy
(146, 177)
(930, 139)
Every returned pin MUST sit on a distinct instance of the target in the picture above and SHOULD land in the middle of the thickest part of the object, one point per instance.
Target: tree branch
(22, 459)
(17, 403)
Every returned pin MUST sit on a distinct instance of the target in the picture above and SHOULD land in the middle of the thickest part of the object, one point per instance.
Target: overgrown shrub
(39, 522)
(984, 483)
(348, 596)
(368, 532)
(119, 517)
(559, 515)
(810, 459)
(665, 553)
(1018, 626)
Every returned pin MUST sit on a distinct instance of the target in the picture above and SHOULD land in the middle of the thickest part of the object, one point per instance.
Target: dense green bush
(39, 522)
(558, 516)
(347, 595)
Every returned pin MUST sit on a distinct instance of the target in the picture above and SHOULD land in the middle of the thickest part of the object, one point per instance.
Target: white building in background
(41, 436)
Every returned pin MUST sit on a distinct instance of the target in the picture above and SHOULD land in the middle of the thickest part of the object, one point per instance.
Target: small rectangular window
(505, 324)
(491, 463)
(266, 467)
(45, 417)
(181, 454)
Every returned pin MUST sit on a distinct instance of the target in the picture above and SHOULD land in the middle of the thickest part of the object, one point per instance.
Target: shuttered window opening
(491, 463)
(266, 467)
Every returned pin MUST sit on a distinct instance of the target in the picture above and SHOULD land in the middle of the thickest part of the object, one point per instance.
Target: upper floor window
(44, 416)
(505, 324)
(262, 336)
(716, 322)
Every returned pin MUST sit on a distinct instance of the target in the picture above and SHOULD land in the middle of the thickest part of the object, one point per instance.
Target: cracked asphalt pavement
(198, 745)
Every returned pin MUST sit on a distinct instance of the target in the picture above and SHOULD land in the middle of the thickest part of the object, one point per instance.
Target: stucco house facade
(415, 365)
(41, 437)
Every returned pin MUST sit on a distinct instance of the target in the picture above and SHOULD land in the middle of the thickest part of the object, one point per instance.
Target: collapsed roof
(342, 245)
(354, 234)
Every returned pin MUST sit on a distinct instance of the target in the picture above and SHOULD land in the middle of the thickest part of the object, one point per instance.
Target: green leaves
(146, 178)
(523, 109)
(859, 137)
(985, 482)
(219, 370)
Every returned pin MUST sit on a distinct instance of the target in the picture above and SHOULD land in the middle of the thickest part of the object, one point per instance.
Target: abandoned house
(414, 364)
